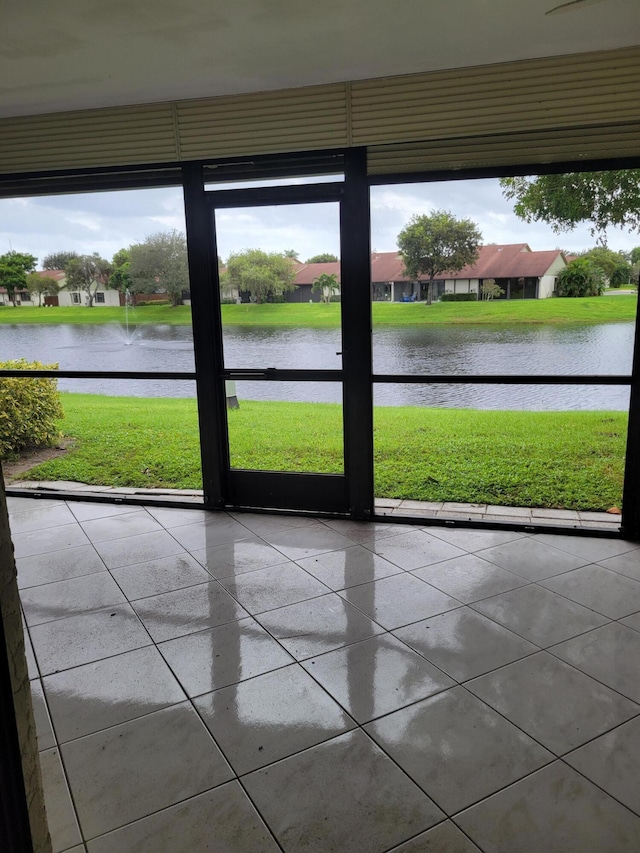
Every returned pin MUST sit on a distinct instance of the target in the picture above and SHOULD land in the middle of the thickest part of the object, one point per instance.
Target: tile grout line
(359, 726)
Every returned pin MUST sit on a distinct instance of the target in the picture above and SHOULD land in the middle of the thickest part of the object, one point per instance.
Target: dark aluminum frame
(357, 375)
(349, 493)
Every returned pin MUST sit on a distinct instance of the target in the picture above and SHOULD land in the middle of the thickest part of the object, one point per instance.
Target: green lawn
(557, 311)
(145, 315)
(573, 460)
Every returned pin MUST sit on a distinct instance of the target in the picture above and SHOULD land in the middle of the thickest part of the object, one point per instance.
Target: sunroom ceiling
(77, 54)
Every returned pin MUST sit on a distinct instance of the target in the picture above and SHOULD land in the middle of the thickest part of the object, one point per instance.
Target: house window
(100, 297)
(75, 298)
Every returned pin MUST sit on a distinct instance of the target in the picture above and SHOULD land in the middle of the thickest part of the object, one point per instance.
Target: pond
(459, 350)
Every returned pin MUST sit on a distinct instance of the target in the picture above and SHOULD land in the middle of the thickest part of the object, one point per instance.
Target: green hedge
(459, 297)
(29, 408)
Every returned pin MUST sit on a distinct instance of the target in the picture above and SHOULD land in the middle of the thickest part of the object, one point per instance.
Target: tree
(14, 267)
(160, 264)
(58, 260)
(621, 275)
(490, 290)
(605, 259)
(614, 265)
(563, 201)
(291, 253)
(88, 273)
(261, 274)
(322, 258)
(580, 278)
(634, 255)
(327, 284)
(120, 278)
(41, 284)
(437, 243)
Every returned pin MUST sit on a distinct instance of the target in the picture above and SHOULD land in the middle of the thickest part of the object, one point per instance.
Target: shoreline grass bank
(571, 460)
(589, 310)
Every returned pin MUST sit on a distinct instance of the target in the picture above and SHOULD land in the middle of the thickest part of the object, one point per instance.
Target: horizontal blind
(107, 137)
(269, 122)
(540, 147)
(559, 92)
(555, 108)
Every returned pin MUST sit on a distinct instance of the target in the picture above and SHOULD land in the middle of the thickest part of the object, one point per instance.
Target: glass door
(280, 287)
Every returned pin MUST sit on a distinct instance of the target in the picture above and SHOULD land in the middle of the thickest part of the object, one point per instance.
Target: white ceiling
(74, 54)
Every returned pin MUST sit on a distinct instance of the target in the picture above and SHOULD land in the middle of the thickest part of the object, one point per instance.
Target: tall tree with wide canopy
(614, 265)
(58, 260)
(159, 263)
(88, 273)
(563, 201)
(14, 267)
(606, 259)
(263, 275)
(436, 243)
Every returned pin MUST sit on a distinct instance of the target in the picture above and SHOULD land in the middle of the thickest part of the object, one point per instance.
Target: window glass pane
(286, 426)
(280, 303)
(275, 182)
(495, 311)
(114, 437)
(536, 448)
(132, 323)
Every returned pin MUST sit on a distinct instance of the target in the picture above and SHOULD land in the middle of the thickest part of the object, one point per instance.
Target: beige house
(21, 297)
(521, 273)
(67, 298)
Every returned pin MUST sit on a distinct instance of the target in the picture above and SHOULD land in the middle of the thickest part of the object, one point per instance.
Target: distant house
(66, 298)
(305, 277)
(521, 273)
(21, 297)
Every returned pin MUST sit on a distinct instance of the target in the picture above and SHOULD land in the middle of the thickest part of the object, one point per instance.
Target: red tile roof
(308, 273)
(57, 275)
(515, 260)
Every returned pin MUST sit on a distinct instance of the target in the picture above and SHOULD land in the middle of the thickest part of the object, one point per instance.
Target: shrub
(621, 274)
(29, 408)
(459, 297)
(580, 278)
(153, 302)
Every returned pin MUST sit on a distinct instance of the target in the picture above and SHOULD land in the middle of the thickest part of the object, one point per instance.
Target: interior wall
(19, 676)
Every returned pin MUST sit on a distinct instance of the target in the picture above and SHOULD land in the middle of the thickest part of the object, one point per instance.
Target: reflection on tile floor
(248, 683)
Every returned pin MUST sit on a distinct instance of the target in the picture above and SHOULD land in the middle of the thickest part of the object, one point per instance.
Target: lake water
(459, 350)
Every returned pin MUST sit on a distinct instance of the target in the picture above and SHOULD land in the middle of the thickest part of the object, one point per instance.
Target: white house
(66, 298)
(21, 297)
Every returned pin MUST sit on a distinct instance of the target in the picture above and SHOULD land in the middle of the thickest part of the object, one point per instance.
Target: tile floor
(219, 682)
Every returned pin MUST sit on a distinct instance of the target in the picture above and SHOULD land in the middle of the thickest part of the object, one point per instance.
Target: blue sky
(105, 222)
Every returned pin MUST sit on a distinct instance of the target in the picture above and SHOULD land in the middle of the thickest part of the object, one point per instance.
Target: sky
(108, 221)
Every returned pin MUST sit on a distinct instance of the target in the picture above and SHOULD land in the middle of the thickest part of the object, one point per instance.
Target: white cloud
(105, 222)
(85, 222)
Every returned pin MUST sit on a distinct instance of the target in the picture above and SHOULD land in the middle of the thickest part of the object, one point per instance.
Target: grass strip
(572, 460)
(304, 315)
